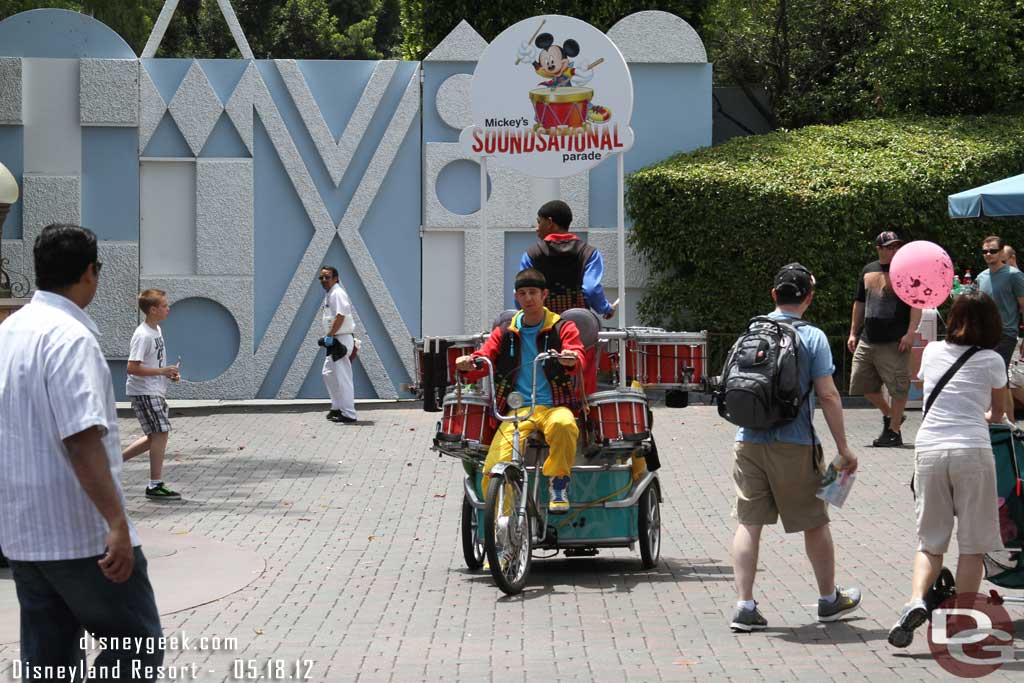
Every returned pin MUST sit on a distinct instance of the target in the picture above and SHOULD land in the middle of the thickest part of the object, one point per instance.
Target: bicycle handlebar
(480, 361)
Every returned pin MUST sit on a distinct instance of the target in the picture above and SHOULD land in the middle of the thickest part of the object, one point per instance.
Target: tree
(425, 23)
(826, 61)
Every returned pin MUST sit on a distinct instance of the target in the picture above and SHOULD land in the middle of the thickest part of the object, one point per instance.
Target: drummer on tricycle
(512, 347)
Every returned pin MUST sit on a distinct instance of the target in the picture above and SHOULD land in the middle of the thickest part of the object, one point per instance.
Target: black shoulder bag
(964, 357)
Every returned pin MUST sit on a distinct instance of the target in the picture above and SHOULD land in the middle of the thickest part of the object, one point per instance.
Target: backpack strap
(964, 357)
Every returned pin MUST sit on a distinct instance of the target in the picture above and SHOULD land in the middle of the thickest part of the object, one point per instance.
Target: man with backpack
(770, 380)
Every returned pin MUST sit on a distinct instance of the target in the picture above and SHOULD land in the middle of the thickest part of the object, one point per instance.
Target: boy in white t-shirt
(146, 387)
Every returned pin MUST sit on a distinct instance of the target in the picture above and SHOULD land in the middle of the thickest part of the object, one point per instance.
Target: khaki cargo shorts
(878, 364)
(779, 480)
(960, 483)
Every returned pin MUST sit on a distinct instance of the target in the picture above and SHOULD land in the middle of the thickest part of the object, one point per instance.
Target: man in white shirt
(74, 554)
(339, 326)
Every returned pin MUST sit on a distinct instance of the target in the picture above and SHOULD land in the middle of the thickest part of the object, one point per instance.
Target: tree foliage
(735, 213)
(826, 61)
(425, 23)
(294, 29)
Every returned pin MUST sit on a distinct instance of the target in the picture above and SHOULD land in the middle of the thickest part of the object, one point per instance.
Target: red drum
(428, 348)
(619, 415)
(466, 419)
(667, 360)
(561, 108)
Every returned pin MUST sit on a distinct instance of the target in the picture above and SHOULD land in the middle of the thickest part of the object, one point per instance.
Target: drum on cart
(659, 359)
(667, 360)
(619, 416)
(435, 363)
(466, 419)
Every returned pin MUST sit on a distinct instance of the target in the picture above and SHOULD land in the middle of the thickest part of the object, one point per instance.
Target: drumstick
(597, 63)
(533, 37)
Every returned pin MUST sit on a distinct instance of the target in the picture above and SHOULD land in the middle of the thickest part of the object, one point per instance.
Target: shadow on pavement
(832, 633)
(618, 574)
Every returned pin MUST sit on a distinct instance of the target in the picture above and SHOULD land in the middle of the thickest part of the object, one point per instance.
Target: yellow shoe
(558, 495)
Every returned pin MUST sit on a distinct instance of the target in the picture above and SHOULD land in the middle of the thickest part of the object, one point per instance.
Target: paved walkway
(364, 576)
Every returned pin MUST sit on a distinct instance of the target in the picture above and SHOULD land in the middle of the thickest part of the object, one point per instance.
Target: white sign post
(551, 97)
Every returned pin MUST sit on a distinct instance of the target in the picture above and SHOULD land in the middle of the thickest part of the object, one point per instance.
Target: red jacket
(568, 336)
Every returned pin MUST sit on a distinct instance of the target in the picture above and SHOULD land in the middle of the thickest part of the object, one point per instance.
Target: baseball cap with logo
(794, 280)
(886, 238)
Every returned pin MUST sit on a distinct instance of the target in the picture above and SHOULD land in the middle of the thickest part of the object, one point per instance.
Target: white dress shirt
(336, 302)
(54, 383)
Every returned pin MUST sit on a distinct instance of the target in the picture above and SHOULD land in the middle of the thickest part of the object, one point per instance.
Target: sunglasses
(990, 251)
(892, 247)
(97, 266)
(326, 277)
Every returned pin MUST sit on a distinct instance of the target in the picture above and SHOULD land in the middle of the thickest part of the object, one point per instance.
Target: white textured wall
(168, 223)
(53, 133)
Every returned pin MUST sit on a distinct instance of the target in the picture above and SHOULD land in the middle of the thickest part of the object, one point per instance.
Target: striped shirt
(54, 383)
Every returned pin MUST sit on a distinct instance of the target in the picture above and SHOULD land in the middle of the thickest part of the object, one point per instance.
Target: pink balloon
(921, 274)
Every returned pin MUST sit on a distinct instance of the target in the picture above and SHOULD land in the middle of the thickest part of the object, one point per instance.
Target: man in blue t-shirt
(778, 471)
(1005, 284)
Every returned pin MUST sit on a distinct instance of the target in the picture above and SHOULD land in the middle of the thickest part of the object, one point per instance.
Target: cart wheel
(649, 525)
(472, 543)
(507, 540)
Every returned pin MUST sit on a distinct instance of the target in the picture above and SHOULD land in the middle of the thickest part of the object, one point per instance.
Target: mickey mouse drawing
(554, 62)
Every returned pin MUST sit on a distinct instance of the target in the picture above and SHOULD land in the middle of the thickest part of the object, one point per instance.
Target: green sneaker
(161, 492)
(847, 601)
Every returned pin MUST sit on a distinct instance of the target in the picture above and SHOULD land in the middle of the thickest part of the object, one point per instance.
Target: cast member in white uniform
(339, 325)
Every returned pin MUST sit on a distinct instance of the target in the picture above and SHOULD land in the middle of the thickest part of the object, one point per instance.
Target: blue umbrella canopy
(1002, 198)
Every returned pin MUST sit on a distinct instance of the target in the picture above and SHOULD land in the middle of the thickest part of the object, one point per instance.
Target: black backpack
(760, 385)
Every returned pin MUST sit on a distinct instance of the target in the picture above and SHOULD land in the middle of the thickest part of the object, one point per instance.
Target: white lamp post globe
(8, 186)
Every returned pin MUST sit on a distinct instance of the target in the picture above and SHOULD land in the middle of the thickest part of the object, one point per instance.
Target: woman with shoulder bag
(954, 469)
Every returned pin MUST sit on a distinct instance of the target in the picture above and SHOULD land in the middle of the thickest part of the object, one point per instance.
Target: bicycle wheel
(472, 542)
(649, 526)
(507, 540)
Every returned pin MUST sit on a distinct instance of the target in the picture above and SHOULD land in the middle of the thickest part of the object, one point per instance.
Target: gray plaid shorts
(152, 413)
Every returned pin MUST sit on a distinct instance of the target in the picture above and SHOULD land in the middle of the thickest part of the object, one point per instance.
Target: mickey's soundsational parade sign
(551, 97)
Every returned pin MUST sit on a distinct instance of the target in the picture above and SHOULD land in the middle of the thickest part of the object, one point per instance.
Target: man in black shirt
(881, 334)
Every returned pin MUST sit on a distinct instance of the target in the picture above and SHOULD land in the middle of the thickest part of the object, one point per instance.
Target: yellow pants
(560, 432)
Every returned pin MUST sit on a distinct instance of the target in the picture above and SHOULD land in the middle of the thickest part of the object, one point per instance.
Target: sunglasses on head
(990, 251)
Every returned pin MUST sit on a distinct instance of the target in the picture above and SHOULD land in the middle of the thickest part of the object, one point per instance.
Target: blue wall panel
(224, 141)
(204, 335)
(110, 182)
(282, 230)
(60, 34)
(167, 74)
(167, 141)
(12, 154)
(119, 375)
(336, 87)
(434, 74)
(391, 229)
(671, 114)
(223, 75)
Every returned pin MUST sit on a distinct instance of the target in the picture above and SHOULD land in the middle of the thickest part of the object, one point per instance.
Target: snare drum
(467, 419)
(667, 360)
(619, 415)
(561, 109)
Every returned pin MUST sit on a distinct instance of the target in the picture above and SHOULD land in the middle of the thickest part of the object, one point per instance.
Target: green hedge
(716, 224)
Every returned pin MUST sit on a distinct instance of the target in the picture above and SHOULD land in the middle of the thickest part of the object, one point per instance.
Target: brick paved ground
(359, 527)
